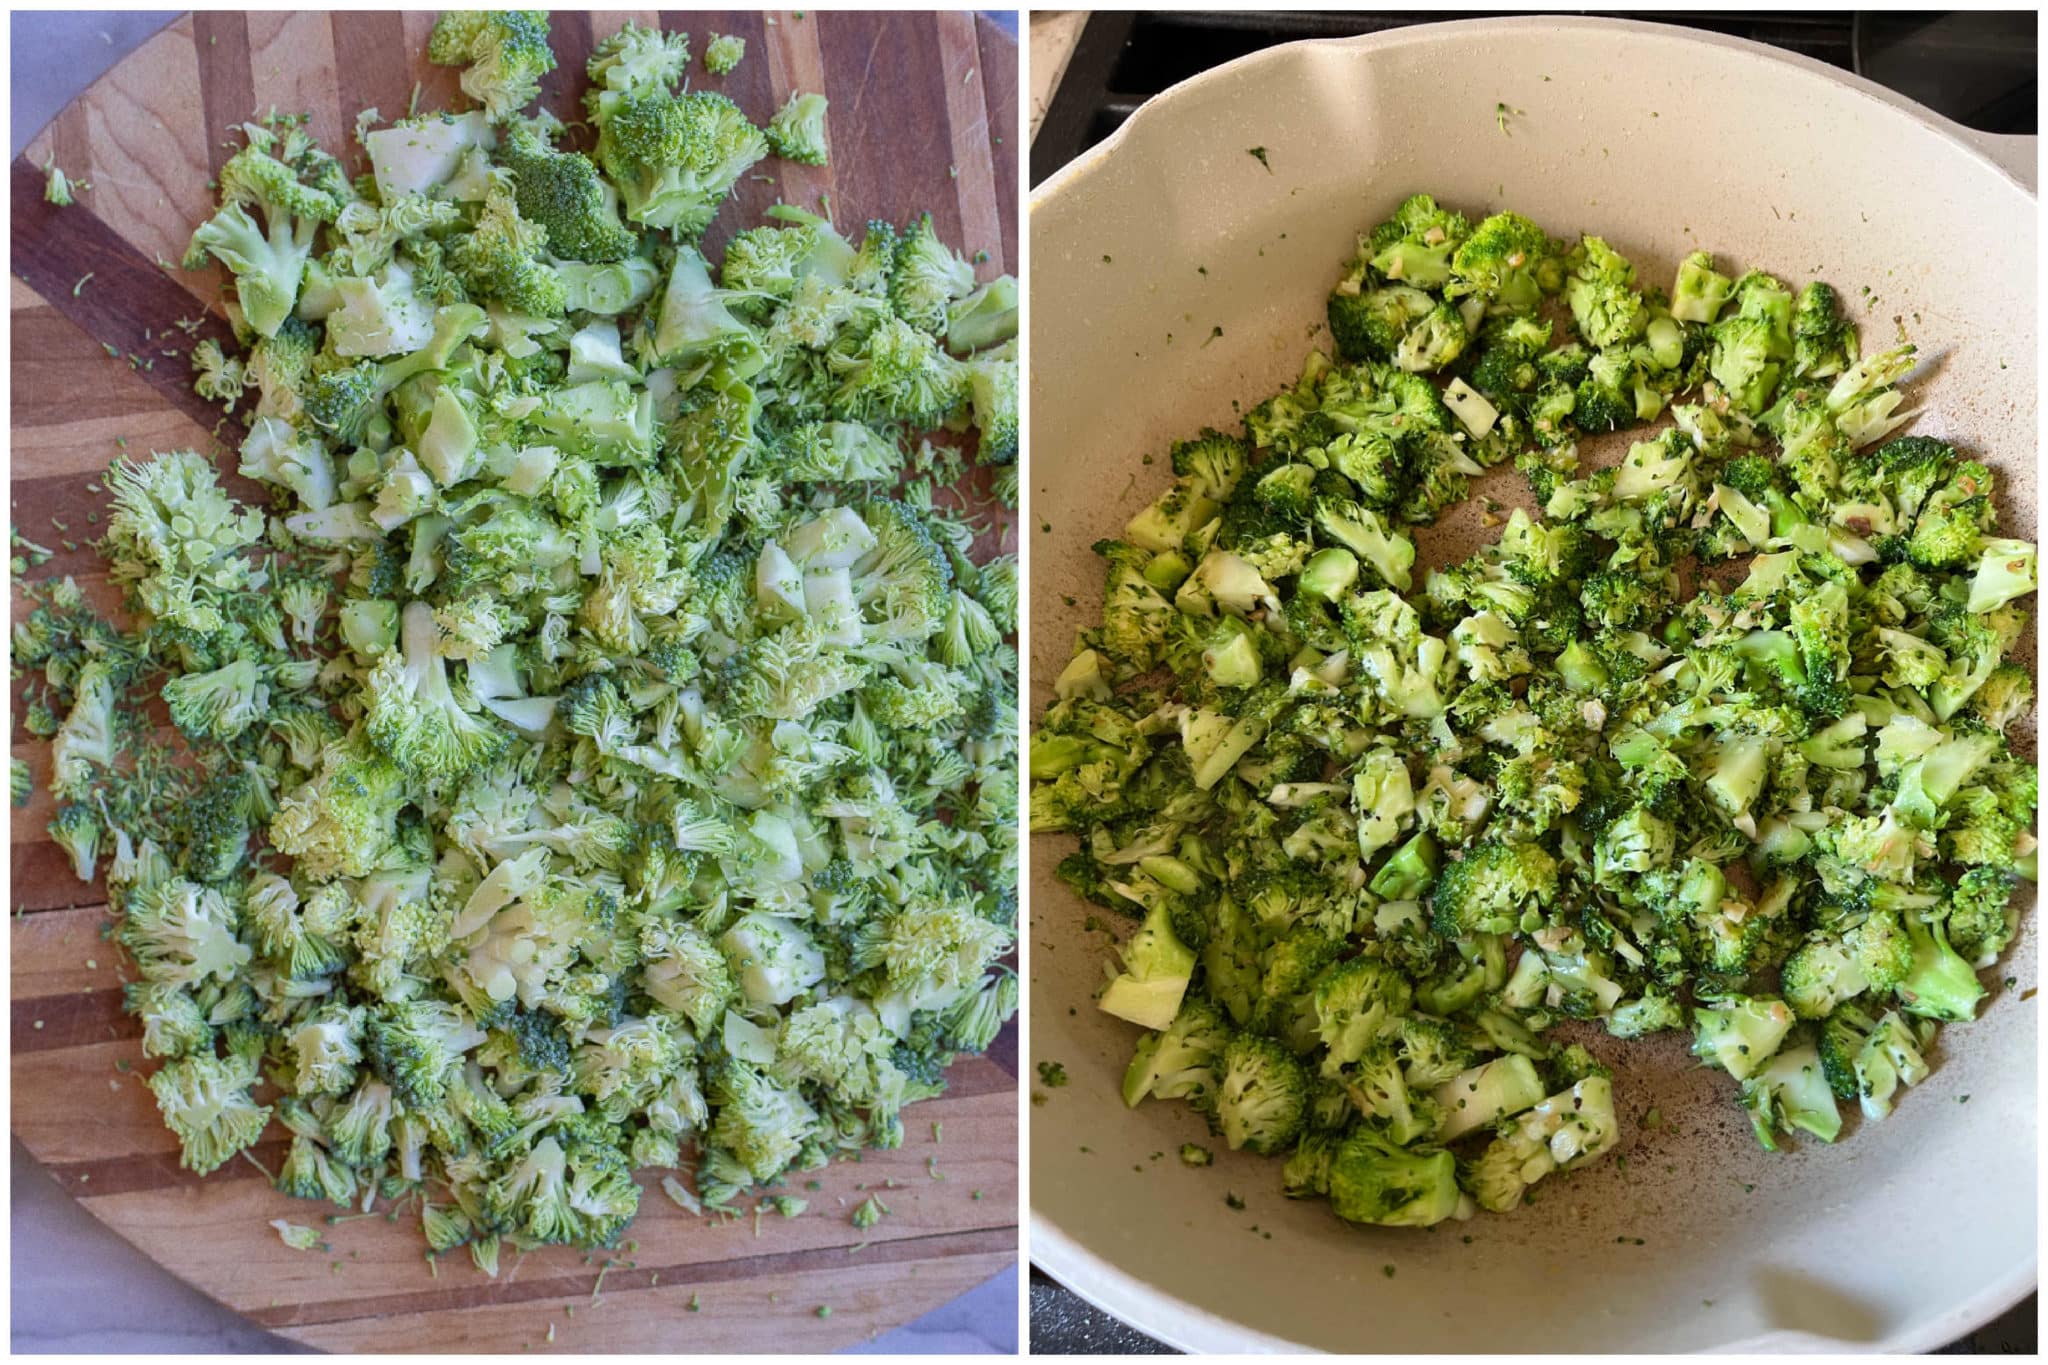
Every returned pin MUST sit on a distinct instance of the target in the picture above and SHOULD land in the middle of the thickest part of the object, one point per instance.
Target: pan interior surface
(1897, 1238)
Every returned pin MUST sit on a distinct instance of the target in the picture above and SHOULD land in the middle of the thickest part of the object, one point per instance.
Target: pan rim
(1091, 161)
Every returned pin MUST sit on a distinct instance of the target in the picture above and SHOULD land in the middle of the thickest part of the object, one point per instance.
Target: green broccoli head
(1261, 1095)
(504, 53)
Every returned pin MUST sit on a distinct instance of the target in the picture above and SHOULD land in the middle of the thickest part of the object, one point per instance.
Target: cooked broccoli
(1261, 1095)
(1428, 811)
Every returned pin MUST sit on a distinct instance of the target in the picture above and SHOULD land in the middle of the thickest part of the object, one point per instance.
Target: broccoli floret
(1939, 984)
(504, 53)
(205, 1100)
(1373, 1181)
(563, 193)
(1563, 1133)
(1823, 341)
(267, 258)
(414, 716)
(1700, 291)
(1868, 1058)
(1416, 244)
(1507, 261)
(1487, 890)
(1371, 324)
(1185, 1061)
(1261, 1095)
(797, 132)
(723, 53)
(674, 158)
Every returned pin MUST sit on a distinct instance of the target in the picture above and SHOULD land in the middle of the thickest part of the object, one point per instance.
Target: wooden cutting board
(923, 116)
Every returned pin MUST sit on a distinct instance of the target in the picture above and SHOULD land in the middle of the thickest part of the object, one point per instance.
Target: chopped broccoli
(1406, 817)
(601, 740)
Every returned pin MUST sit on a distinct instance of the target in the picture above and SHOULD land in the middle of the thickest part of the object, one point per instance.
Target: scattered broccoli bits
(59, 188)
(1713, 741)
(596, 742)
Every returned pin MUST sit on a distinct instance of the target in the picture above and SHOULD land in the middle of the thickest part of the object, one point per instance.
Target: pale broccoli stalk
(1485, 1093)
(1739, 1034)
(1788, 1092)
(1182, 1062)
(1156, 970)
(1562, 1133)
(1870, 1058)
(78, 831)
(59, 187)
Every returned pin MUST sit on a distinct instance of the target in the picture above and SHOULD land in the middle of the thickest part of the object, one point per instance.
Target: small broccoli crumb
(297, 1236)
(59, 188)
(1259, 153)
(1052, 1075)
(723, 53)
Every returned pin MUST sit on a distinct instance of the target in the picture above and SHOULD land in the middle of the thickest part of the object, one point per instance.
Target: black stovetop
(1977, 68)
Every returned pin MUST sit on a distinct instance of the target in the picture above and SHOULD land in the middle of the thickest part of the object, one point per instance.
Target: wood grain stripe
(227, 86)
(744, 1318)
(367, 77)
(795, 63)
(620, 1279)
(155, 1171)
(292, 71)
(975, 183)
(67, 1021)
(998, 81)
(43, 872)
(571, 33)
(131, 303)
(877, 66)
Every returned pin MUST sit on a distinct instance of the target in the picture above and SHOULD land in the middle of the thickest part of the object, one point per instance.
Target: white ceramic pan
(1900, 1238)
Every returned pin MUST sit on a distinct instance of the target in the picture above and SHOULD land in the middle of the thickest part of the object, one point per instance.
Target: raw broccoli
(797, 132)
(723, 53)
(504, 53)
